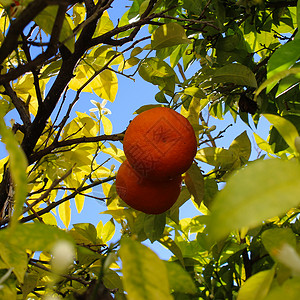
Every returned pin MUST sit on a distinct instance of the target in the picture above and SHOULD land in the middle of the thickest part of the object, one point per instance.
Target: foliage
(244, 241)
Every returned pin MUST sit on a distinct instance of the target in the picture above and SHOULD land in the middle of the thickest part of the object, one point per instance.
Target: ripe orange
(160, 143)
(146, 195)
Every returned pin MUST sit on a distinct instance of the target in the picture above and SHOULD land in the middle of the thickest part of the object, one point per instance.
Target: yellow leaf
(101, 172)
(79, 79)
(107, 125)
(106, 188)
(104, 25)
(79, 202)
(64, 211)
(108, 231)
(119, 156)
(106, 85)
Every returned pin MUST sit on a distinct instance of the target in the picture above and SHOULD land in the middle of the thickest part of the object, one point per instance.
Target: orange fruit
(145, 195)
(160, 143)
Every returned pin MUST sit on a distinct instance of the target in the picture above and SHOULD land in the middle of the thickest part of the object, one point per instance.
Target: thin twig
(48, 191)
(36, 156)
(69, 277)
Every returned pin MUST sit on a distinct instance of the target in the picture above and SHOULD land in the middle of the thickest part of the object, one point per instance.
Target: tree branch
(69, 277)
(17, 26)
(19, 105)
(38, 155)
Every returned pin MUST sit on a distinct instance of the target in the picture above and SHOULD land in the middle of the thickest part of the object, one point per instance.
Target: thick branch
(53, 96)
(40, 59)
(18, 25)
(19, 105)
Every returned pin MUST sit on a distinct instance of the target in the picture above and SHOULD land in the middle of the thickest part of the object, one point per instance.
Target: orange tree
(243, 244)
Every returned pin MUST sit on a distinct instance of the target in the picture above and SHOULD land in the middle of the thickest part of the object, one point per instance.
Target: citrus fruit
(145, 195)
(160, 143)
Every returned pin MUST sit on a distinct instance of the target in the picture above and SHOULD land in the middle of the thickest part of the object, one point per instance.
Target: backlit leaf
(107, 125)
(46, 19)
(104, 25)
(168, 35)
(15, 258)
(242, 146)
(260, 192)
(273, 239)
(194, 181)
(79, 202)
(88, 231)
(217, 157)
(274, 79)
(144, 274)
(286, 129)
(283, 58)
(108, 231)
(64, 211)
(180, 281)
(158, 72)
(257, 286)
(105, 85)
(290, 290)
(173, 247)
(34, 236)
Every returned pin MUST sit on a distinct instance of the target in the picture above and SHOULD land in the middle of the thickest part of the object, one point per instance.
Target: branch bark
(38, 155)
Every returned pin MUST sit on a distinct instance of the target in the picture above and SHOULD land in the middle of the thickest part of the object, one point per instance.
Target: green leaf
(144, 274)
(154, 226)
(194, 92)
(242, 145)
(15, 258)
(290, 290)
(194, 181)
(258, 190)
(18, 166)
(298, 14)
(161, 98)
(217, 157)
(274, 238)
(158, 72)
(147, 107)
(275, 78)
(286, 129)
(34, 236)
(179, 279)
(46, 19)
(168, 35)
(30, 282)
(257, 286)
(51, 70)
(112, 280)
(210, 191)
(173, 247)
(184, 196)
(287, 83)
(235, 73)
(8, 291)
(88, 231)
(283, 58)
(281, 245)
